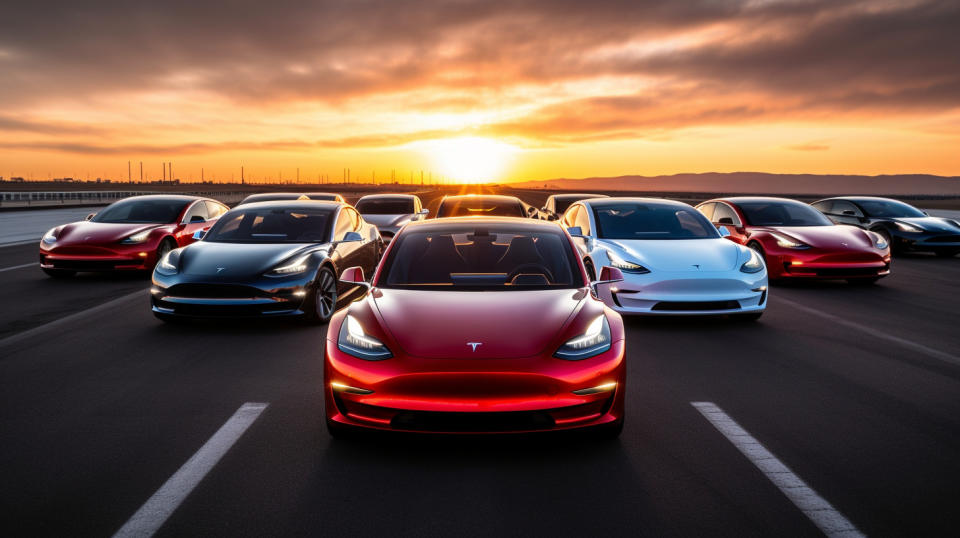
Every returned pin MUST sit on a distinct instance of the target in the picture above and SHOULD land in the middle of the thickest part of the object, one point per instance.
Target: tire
(863, 281)
(60, 273)
(322, 302)
(591, 272)
(165, 246)
(946, 253)
(755, 246)
(752, 316)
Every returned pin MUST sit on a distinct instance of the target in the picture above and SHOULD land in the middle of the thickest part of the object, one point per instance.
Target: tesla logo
(844, 244)
(87, 238)
(220, 269)
(474, 345)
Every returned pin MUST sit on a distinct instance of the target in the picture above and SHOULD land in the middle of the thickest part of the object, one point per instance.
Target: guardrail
(78, 198)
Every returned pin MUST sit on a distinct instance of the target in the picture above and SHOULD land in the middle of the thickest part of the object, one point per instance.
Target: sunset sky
(483, 90)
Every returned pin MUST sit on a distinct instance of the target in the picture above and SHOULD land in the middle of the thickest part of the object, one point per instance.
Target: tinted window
(841, 206)
(707, 210)
(214, 210)
(498, 257)
(582, 219)
(563, 203)
(198, 209)
(782, 214)
(890, 209)
(272, 225)
(323, 196)
(344, 225)
(386, 206)
(724, 214)
(138, 211)
(651, 221)
(477, 207)
(570, 216)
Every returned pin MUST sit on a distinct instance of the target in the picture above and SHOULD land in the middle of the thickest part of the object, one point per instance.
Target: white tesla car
(674, 261)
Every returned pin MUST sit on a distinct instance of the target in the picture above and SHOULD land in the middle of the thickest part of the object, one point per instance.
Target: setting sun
(468, 159)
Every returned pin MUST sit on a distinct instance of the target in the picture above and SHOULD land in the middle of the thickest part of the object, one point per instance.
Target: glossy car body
(475, 361)
(905, 227)
(557, 204)
(324, 196)
(390, 212)
(489, 205)
(227, 275)
(674, 262)
(272, 197)
(798, 244)
(154, 225)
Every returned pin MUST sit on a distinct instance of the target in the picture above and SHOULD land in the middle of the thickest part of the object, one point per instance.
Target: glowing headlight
(168, 264)
(786, 242)
(904, 227)
(137, 237)
(754, 264)
(50, 237)
(353, 341)
(292, 268)
(878, 240)
(624, 265)
(594, 341)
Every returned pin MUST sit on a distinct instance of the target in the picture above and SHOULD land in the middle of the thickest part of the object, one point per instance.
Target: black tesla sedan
(905, 227)
(268, 259)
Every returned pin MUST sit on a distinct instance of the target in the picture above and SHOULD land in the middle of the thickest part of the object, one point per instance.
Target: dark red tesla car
(131, 234)
(797, 241)
(477, 325)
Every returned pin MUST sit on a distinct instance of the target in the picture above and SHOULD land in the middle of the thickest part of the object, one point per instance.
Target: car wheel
(946, 253)
(59, 273)
(863, 281)
(590, 270)
(165, 247)
(752, 316)
(323, 300)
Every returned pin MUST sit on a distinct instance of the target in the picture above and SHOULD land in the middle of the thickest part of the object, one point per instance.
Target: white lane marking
(18, 267)
(815, 507)
(18, 243)
(68, 319)
(151, 516)
(910, 344)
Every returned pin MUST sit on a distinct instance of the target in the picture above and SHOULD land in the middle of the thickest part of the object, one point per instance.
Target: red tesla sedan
(798, 242)
(131, 234)
(477, 325)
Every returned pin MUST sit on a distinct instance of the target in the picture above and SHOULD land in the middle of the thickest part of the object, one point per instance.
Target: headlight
(878, 240)
(904, 227)
(754, 264)
(353, 341)
(50, 237)
(137, 237)
(786, 242)
(594, 341)
(297, 266)
(168, 264)
(624, 265)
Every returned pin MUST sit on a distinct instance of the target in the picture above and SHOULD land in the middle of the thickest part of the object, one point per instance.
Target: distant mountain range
(762, 183)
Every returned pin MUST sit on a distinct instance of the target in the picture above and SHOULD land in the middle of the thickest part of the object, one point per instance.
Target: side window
(839, 206)
(583, 220)
(550, 205)
(344, 224)
(723, 214)
(707, 210)
(198, 209)
(356, 219)
(570, 216)
(823, 207)
(214, 210)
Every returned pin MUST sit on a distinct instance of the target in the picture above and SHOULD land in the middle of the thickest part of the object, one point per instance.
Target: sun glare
(469, 159)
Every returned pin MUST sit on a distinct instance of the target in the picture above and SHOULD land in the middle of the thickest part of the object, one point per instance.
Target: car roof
(295, 204)
(385, 196)
(601, 202)
(334, 194)
(859, 198)
(755, 199)
(492, 197)
(184, 197)
(577, 195)
(520, 223)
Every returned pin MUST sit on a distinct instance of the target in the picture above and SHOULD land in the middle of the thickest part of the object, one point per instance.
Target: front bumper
(92, 258)
(818, 265)
(412, 394)
(687, 293)
(199, 298)
(925, 242)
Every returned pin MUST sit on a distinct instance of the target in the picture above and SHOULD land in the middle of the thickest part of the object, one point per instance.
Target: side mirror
(608, 275)
(354, 275)
(198, 235)
(531, 211)
(351, 237)
(90, 216)
(575, 231)
(726, 220)
(724, 231)
(423, 211)
(197, 218)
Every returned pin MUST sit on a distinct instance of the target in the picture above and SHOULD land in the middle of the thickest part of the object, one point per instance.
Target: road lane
(17, 226)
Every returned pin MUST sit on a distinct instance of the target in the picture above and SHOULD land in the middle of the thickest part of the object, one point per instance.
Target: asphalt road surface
(839, 410)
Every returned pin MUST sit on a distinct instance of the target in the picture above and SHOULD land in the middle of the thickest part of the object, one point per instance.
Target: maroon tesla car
(131, 234)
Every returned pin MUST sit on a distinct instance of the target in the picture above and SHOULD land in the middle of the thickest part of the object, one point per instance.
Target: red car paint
(97, 246)
(833, 251)
(435, 373)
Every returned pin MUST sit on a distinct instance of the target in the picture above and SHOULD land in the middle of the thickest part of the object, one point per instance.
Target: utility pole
(141, 171)
(129, 178)
(202, 179)
(242, 180)
(298, 175)
(373, 177)
(421, 178)
(164, 171)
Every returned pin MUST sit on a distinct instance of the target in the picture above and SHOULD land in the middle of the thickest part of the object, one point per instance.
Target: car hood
(229, 261)
(716, 254)
(932, 224)
(99, 232)
(387, 220)
(506, 324)
(829, 237)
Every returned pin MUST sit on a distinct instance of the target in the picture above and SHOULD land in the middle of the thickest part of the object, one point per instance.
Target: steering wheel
(543, 269)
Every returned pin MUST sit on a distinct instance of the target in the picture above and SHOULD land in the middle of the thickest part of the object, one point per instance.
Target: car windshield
(385, 206)
(270, 197)
(889, 209)
(563, 203)
(139, 211)
(477, 207)
(272, 225)
(474, 258)
(651, 221)
(778, 213)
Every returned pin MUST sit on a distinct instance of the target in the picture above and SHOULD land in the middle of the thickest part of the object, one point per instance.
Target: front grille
(434, 421)
(213, 291)
(217, 311)
(859, 271)
(944, 239)
(93, 265)
(682, 306)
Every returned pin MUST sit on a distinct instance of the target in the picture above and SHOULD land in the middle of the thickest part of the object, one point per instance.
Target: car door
(194, 219)
(724, 215)
(348, 254)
